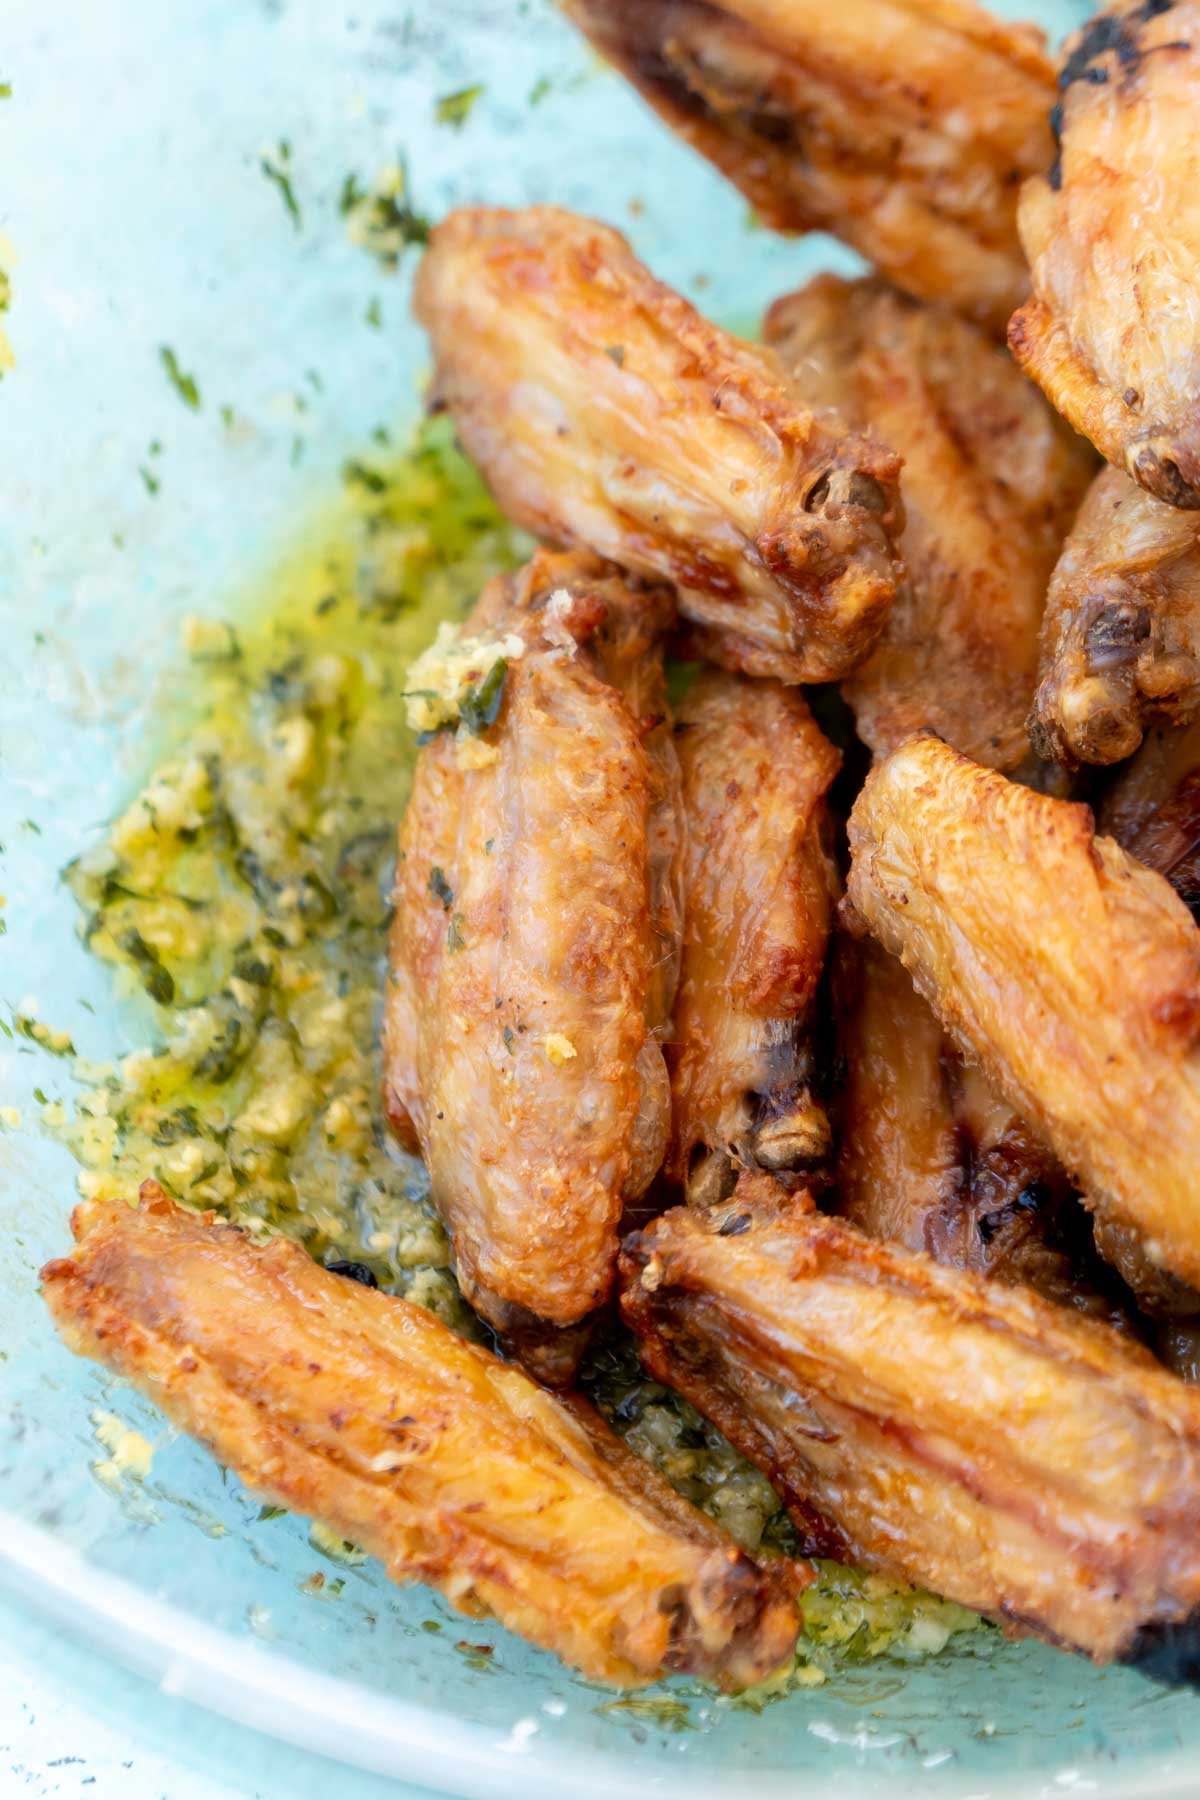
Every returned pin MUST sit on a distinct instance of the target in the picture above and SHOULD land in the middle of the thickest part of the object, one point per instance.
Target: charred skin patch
(1108, 34)
(1169, 1654)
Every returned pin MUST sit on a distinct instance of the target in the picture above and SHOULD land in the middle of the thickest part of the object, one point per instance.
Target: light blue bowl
(134, 195)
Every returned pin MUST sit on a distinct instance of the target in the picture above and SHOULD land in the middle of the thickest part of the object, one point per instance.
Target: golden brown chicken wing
(930, 1157)
(1112, 234)
(903, 126)
(605, 412)
(963, 1435)
(1069, 972)
(759, 895)
(366, 1413)
(991, 482)
(1153, 808)
(1121, 634)
(533, 951)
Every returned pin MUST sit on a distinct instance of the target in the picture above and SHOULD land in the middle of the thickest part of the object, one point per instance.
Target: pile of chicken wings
(836, 1018)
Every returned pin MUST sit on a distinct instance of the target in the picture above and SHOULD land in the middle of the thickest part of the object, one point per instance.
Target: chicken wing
(1153, 808)
(1112, 234)
(759, 895)
(1069, 972)
(1121, 633)
(992, 480)
(605, 412)
(959, 1434)
(533, 952)
(903, 126)
(931, 1158)
(368, 1414)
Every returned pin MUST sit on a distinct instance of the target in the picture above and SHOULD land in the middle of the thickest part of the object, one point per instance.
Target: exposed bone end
(712, 1179)
(1097, 719)
(797, 1139)
(1168, 469)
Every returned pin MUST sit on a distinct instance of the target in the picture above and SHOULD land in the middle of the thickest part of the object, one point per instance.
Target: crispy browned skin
(532, 981)
(1153, 808)
(759, 895)
(930, 1157)
(1121, 633)
(1069, 972)
(991, 482)
(1153, 811)
(366, 1413)
(903, 126)
(966, 1436)
(1112, 234)
(605, 412)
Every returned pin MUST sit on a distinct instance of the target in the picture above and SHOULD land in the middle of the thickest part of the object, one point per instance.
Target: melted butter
(243, 895)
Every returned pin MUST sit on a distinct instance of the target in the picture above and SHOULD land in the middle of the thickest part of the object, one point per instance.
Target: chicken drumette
(606, 413)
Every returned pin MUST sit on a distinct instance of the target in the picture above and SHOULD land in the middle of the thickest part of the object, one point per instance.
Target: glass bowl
(137, 201)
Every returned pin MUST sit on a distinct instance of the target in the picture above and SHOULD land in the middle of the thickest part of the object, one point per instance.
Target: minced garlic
(445, 674)
(560, 1049)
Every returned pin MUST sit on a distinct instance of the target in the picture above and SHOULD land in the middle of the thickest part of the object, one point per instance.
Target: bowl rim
(417, 1742)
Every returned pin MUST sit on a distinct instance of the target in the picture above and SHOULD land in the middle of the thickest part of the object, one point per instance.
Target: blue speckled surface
(133, 192)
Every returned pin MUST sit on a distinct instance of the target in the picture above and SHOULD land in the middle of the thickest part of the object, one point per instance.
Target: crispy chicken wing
(366, 1413)
(759, 896)
(1153, 808)
(991, 483)
(1121, 633)
(931, 1157)
(1069, 972)
(963, 1435)
(605, 412)
(903, 126)
(1112, 234)
(533, 953)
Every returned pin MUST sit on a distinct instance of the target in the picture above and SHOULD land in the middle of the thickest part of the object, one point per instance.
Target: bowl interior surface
(137, 204)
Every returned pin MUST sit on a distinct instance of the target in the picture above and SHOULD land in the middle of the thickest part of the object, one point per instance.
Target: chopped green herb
(481, 706)
(270, 1512)
(361, 475)
(277, 169)
(440, 888)
(510, 1038)
(40, 1096)
(254, 971)
(454, 934)
(184, 384)
(158, 982)
(617, 354)
(227, 417)
(541, 87)
(384, 220)
(374, 315)
(455, 109)
(352, 194)
(150, 478)
(5, 90)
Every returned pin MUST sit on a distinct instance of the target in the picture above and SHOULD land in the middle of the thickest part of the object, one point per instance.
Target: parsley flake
(455, 109)
(481, 706)
(184, 384)
(278, 170)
